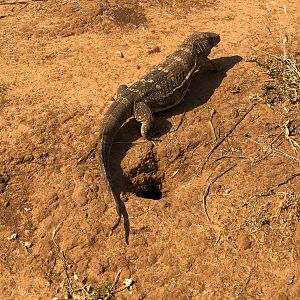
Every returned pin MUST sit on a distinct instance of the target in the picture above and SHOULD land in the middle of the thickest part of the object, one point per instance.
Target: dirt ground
(59, 68)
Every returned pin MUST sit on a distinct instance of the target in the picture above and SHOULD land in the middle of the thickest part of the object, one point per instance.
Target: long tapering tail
(116, 116)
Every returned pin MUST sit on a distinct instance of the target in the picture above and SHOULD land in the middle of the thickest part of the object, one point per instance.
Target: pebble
(27, 244)
(13, 237)
(120, 54)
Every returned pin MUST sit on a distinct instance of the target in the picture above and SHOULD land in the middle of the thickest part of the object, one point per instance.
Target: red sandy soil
(59, 69)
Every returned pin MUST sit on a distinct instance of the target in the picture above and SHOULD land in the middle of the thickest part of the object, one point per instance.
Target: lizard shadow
(201, 89)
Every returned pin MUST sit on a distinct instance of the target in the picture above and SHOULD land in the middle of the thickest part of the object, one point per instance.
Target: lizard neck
(199, 48)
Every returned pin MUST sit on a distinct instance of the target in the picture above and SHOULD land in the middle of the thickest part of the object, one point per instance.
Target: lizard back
(167, 83)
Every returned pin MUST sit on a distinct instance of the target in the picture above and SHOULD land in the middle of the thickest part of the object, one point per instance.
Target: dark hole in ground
(151, 190)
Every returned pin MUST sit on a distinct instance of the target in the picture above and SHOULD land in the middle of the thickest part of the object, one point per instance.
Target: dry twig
(276, 151)
(54, 233)
(205, 194)
(282, 153)
(112, 287)
(270, 190)
(220, 141)
(180, 122)
(85, 156)
(212, 125)
(69, 286)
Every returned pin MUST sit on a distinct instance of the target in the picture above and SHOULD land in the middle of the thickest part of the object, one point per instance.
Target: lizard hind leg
(143, 114)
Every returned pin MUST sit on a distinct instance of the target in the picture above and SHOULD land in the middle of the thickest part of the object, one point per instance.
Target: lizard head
(202, 42)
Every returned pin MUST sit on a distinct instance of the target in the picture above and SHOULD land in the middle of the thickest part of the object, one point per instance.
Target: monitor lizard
(161, 89)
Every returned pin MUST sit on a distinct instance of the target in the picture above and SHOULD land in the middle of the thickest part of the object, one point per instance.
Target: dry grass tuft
(284, 72)
(284, 68)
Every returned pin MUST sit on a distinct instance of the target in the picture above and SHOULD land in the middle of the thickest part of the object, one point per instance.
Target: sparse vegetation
(74, 288)
(284, 72)
(283, 68)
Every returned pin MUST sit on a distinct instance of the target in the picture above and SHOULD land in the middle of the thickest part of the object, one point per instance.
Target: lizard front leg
(143, 114)
(121, 89)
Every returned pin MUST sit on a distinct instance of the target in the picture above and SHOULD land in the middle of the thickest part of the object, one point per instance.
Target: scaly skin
(161, 89)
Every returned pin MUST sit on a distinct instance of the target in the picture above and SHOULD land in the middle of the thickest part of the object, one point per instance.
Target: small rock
(120, 54)
(128, 282)
(138, 67)
(13, 237)
(43, 155)
(76, 277)
(124, 196)
(27, 244)
(292, 279)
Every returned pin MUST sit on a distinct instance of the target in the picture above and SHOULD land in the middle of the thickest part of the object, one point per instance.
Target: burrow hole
(150, 188)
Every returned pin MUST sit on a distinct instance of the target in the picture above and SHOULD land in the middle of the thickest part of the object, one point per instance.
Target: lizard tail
(104, 146)
(116, 115)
